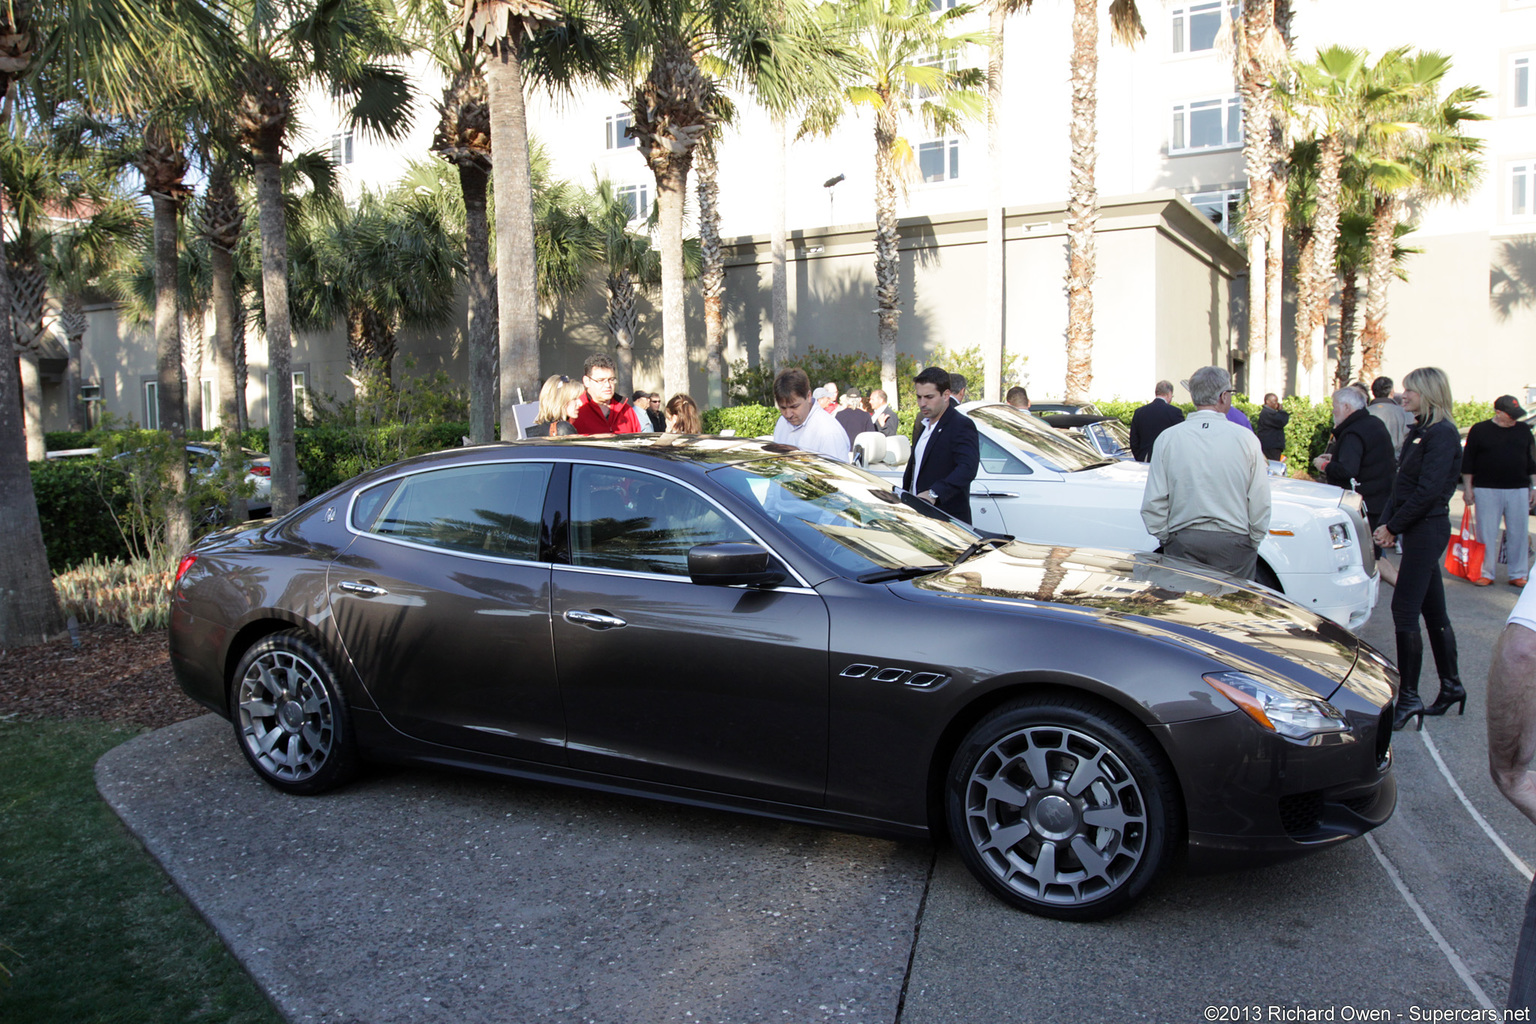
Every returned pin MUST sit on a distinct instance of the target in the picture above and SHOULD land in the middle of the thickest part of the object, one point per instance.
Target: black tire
(1266, 576)
(1062, 807)
(291, 720)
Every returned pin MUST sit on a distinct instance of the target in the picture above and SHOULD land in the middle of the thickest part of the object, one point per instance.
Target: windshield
(1115, 436)
(851, 518)
(1056, 448)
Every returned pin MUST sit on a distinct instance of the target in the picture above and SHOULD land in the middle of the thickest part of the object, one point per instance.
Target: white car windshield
(1056, 448)
(851, 518)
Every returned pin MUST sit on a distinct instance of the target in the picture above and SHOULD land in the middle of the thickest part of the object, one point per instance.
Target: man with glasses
(1207, 496)
(602, 412)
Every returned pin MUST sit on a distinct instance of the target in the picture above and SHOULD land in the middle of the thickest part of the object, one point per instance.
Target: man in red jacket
(601, 412)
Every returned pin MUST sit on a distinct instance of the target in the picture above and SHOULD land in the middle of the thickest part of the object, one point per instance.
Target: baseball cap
(1507, 405)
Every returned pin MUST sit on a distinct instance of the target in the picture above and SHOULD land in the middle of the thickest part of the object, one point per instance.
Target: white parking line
(1513, 857)
(1445, 947)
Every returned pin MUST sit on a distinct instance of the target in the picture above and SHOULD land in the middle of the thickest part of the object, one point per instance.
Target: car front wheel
(290, 717)
(1062, 808)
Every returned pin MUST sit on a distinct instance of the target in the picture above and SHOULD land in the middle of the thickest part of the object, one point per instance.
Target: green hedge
(73, 500)
(745, 420)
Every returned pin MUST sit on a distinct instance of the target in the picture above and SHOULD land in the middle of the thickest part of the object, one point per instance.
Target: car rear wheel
(290, 717)
(1062, 808)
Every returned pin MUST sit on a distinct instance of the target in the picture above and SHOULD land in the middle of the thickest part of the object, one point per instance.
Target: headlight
(1339, 534)
(1279, 707)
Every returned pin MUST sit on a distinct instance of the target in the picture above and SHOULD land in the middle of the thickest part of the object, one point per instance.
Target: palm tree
(992, 341)
(1082, 191)
(1419, 153)
(501, 26)
(291, 45)
(712, 275)
(630, 265)
(220, 221)
(906, 59)
(115, 49)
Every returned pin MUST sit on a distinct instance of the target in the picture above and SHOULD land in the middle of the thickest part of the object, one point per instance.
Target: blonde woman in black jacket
(1419, 514)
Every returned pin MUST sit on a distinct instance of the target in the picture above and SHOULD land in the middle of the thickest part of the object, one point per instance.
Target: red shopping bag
(1464, 557)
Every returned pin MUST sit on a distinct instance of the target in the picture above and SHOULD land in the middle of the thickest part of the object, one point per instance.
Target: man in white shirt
(1207, 496)
(802, 422)
(1511, 748)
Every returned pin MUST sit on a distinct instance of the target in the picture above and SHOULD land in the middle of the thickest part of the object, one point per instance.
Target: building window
(932, 60)
(151, 405)
(1207, 124)
(1522, 189)
(1222, 208)
(938, 6)
(210, 415)
(939, 161)
(1521, 98)
(618, 124)
(341, 148)
(300, 396)
(637, 198)
(1195, 27)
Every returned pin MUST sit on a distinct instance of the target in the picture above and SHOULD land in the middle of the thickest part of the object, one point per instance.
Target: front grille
(1360, 804)
(1301, 813)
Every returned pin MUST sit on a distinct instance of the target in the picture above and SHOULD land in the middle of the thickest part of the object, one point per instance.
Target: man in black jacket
(1152, 419)
(946, 453)
(1362, 458)
(1271, 431)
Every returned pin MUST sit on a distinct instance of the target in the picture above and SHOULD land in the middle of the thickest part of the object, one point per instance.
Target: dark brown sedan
(737, 624)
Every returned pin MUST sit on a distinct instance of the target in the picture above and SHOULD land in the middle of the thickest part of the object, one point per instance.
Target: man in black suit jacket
(945, 452)
(1152, 419)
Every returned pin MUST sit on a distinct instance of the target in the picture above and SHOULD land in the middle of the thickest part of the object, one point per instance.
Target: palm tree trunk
(73, 320)
(622, 319)
(712, 273)
(992, 340)
(1082, 200)
(194, 347)
(32, 403)
(1348, 295)
(178, 527)
(1330, 163)
(1373, 336)
(222, 286)
(779, 241)
(29, 292)
(29, 608)
(273, 223)
(517, 308)
(482, 305)
(887, 242)
(1274, 290)
(671, 192)
(1306, 254)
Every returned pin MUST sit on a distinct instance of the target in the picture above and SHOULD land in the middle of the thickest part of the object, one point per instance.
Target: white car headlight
(1277, 706)
(1339, 534)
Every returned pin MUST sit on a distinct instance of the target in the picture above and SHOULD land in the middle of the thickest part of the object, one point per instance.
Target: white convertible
(1042, 484)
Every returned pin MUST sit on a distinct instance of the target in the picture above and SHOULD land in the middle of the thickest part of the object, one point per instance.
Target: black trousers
(1420, 589)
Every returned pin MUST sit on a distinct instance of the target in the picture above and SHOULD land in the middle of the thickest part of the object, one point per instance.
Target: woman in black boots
(1419, 514)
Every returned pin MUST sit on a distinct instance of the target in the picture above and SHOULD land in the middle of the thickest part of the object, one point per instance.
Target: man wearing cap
(1498, 475)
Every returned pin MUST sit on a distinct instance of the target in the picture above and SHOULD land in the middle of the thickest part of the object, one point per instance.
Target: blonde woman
(683, 416)
(1419, 514)
(559, 399)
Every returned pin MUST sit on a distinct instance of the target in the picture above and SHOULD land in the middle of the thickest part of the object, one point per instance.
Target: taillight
(261, 470)
(183, 566)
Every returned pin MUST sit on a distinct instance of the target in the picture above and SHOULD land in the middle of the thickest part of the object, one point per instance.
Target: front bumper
(1347, 596)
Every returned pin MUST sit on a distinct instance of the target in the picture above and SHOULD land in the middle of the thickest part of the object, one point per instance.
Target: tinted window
(488, 510)
(996, 460)
(639, 522)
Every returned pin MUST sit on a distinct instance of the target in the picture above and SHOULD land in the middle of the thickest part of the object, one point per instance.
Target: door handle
(992, 494)
(594, 620)
(363, 589)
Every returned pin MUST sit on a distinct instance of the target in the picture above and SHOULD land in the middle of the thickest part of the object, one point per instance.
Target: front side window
(633, 521)
(1206, 124)
(939, 160)
(1195, 27)
(484, 510)
(617, 125)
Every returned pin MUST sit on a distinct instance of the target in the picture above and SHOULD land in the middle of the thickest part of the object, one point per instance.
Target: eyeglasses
(600, 381)
(1229, 391)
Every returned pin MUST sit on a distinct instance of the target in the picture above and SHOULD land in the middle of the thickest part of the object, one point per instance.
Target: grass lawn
(91, 930)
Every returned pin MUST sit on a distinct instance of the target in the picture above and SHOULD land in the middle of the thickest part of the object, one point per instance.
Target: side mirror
(731, 565)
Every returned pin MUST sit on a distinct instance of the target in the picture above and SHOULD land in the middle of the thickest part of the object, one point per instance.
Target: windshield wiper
(901, 572)
(980, 546)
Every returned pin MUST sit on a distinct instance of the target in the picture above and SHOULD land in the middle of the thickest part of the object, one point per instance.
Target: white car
(1045, 485)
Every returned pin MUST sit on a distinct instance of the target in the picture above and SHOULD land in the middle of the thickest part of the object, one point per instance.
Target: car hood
(1228, 619)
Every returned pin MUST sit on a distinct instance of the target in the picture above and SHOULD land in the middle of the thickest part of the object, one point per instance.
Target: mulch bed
(114, 675)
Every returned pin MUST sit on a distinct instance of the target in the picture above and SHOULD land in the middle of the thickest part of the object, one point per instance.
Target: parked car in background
(1053, 407)
(1104, 434)
(1044, 485)
(204, 462)
(738, 624)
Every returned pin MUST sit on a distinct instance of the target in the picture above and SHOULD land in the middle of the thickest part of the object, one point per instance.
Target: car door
(1004, 491)
(442, 602)
(707, 687)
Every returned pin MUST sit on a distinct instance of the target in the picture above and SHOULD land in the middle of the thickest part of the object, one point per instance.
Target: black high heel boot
(1442, 642)
(1410, 659)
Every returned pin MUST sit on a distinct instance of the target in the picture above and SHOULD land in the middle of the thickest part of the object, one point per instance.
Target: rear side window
(998, 461)
(486, 510)
(638, 522)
